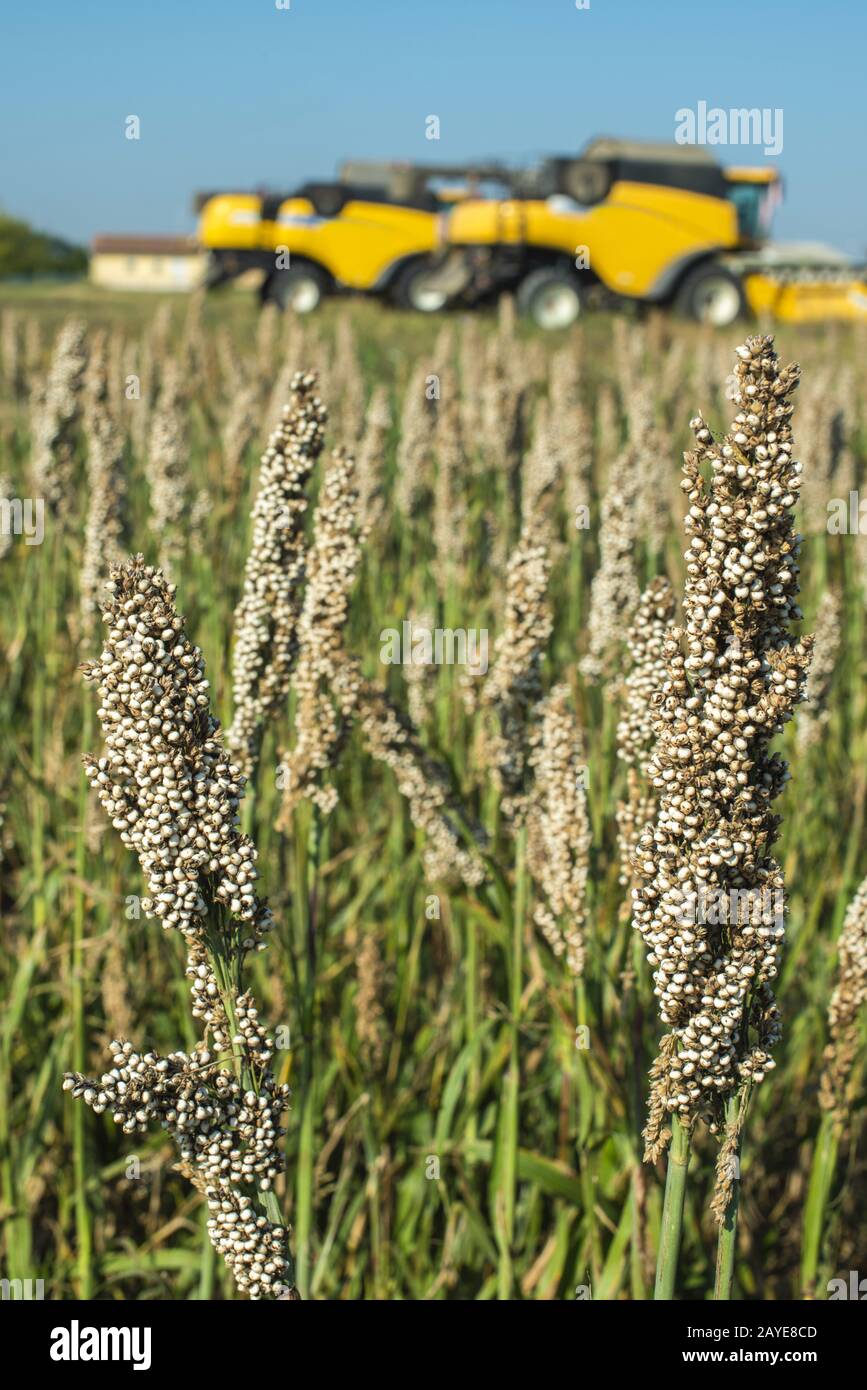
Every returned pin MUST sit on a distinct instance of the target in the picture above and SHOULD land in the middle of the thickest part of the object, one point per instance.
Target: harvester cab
(756, 194)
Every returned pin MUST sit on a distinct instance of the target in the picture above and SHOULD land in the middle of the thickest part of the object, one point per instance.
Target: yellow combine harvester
(373, 230)
(650, 224)
(625, 222)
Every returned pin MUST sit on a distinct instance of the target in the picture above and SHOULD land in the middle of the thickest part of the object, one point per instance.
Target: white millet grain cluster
(10, 354)
(541, 463)
(844, 1011)
(820, 433)
(229, 1136)
(106, 484)
(651, 466)
(815, 713)
(471, 371)
(391, 739)
(502, 405)
(240, 430)
(415, 441)
(630, 353)
(348, 383)
(267, 335)
(558, 829)
(56, 415)
(609, 432)
(674, 370)
(6, 494)
(194, 345)
(253, 1247)
(631, 815)
(646, 643)
(201, 507)
(570, 431)
(635, 730)
(165, 780)
(166, 465)
(419, 676)
(369, 1014)
(371, 460)
(514, 683)
(322, 679)
(32, 354)
(449, 489)
(266, 619)
(734, 677)
(614, 591)
(228, 1141)
(168, 787)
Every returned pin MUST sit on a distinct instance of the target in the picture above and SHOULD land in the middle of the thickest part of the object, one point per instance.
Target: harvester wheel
(711, 294)
(550, 297)
(299, 287)
(413, 289)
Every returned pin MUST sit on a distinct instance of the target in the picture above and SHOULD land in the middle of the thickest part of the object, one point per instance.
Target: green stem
(511, 1087)
(471, 1005)
(307, 844)
(672, 1212)
(208, 1262)
(818, 1191)
(82, 1210)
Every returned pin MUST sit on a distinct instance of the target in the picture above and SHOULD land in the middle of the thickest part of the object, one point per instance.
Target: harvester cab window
(756, 204)
(747, 198)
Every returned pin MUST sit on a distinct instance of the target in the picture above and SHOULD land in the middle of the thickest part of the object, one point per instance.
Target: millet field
(432, 807)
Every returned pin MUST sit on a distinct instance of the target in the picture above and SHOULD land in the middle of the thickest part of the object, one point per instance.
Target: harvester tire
(410, 292)
(550, 297)
(711, 294)
(300, 288)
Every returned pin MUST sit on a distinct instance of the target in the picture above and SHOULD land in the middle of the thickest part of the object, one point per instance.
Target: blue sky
(236, 93)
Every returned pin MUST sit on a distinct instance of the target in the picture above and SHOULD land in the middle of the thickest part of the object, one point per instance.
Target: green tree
(25, 252)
